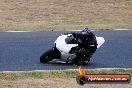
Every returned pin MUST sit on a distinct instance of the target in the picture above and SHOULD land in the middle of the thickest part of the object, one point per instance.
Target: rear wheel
(47, 56)
(82, 60)
(81, 63)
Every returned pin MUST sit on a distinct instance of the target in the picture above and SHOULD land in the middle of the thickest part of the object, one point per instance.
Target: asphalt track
(20, 51)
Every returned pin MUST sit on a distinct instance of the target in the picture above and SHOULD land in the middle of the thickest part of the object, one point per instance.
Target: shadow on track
(72, 66)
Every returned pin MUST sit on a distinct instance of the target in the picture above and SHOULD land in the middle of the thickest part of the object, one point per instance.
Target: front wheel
(47, 56)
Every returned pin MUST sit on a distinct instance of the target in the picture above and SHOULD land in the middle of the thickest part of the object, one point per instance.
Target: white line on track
(68, 30)
(106, 29)
(81, 30)
(17, 31)
(104, 69)
(121, 29)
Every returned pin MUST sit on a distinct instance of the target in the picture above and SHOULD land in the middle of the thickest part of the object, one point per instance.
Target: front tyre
(47, 56)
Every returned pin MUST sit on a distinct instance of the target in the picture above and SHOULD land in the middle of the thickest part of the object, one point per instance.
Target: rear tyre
(83, 61)
(86, 60)
(47, 56)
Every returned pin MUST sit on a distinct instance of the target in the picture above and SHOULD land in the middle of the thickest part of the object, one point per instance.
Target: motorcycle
(69, 52)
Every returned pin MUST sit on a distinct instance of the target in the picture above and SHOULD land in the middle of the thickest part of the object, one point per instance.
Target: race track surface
(21, 51)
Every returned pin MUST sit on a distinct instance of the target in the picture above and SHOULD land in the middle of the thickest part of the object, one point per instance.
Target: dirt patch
(55, 79)
(54, 83)
(64, 14)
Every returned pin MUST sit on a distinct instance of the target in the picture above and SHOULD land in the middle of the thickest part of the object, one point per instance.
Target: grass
(59, 74)
(56, 79)
(64, 14)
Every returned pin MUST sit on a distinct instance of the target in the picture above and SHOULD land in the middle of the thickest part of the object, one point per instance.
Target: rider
(86, 39)
(89, 40)
(87, 45)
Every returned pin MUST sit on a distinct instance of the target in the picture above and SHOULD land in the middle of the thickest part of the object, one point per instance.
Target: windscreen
(69, 39)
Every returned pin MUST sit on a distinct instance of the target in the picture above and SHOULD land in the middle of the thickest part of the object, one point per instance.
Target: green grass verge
(58, 74)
